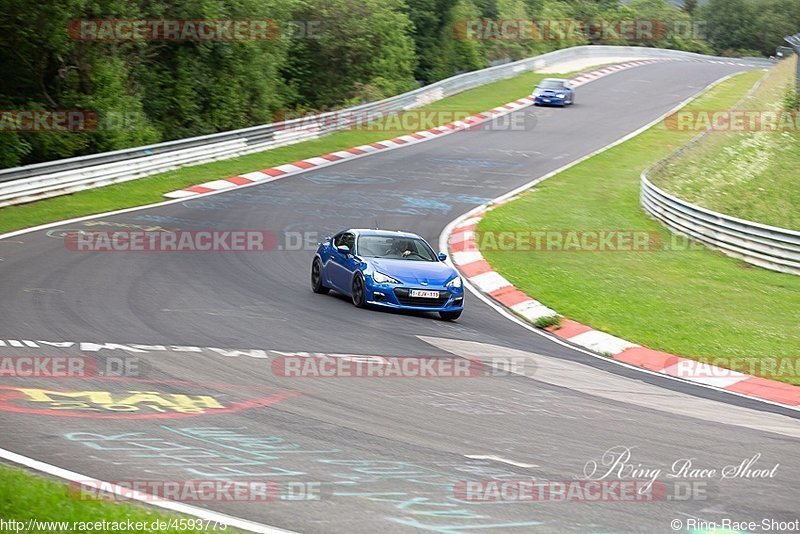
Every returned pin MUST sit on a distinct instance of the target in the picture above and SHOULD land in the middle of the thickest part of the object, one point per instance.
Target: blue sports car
(553, 92)
(389, 269)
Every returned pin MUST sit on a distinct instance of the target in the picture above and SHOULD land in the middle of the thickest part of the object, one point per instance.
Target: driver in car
(403, 248)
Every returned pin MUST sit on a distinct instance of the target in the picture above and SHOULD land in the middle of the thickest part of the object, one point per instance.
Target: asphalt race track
(389, 453)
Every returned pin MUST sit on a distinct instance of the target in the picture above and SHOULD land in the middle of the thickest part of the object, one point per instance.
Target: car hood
(549, 91)
(414, 272)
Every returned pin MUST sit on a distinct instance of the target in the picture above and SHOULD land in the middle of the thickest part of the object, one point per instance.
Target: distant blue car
(389, 269)
(553, 92)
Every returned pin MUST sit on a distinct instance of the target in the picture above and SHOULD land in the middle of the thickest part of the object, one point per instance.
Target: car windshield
(551, 84)
(394, 247)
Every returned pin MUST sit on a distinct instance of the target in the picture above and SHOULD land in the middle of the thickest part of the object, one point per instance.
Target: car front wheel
(316, 278)
(358, 292)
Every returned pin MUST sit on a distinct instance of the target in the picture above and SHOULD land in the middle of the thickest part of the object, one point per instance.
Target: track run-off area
(187, 349)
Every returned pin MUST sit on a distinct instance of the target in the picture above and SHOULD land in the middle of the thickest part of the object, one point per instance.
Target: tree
(730, 25)
(690, 7)
(364, 49)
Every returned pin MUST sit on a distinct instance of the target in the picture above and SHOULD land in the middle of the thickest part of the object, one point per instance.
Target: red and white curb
(289, 169)
(476, 270)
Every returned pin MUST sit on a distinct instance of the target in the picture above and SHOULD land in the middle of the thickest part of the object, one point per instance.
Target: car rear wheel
(451, 315)
(358, 292)
(316, 278)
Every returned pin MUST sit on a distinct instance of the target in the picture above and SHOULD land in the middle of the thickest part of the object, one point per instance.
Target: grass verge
(686, 300)
(749, 174)
(151, 189)
(25, 497)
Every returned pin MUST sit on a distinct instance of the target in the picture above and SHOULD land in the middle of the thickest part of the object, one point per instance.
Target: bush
(791, 99)
(550, 320)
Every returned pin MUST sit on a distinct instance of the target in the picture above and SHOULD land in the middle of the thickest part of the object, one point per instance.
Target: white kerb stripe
(367, 148)
(533, 310)
(602, 342)
(288, 167)
(387, 143)
(705, 373)
(216, 185)
(488, 282)
(256, 176)
(316, 161)
(465, 257)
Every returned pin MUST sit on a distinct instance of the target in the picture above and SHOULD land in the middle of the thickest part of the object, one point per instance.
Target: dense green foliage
(323, 54)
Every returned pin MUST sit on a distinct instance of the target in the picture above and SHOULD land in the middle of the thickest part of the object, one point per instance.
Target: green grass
(151, 189)
(24, 496)
(692, 302)
(752, 175)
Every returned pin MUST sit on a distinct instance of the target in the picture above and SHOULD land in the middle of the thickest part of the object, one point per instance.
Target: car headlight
(561, 95)
(384, 279)
(455, 282)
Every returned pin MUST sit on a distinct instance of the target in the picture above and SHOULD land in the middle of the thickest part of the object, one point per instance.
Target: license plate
(424, 294)
(545, 100)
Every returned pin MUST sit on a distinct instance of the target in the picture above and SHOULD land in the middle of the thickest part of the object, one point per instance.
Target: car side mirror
(442, 256)
(343, 249)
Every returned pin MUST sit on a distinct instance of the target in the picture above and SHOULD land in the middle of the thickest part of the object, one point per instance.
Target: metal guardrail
(42, 180)
(770, 247)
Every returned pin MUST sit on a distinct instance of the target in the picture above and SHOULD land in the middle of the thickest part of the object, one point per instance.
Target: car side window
(345, 239)
(350, 241)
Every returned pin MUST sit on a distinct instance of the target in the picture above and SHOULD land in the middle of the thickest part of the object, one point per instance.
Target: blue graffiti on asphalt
(181, 222)
(419, 203)
(228, 453)
(338, 178)
(427, 204)
(476, 163)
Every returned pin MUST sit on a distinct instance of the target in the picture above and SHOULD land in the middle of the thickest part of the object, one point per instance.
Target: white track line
(498, 459)
(173, 506)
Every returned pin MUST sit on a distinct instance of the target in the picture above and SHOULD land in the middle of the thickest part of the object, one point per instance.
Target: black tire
(359, 293)
(316, 278)
(450, 316)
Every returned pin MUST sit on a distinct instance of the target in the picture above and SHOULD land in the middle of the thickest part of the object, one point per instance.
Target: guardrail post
(794, 41)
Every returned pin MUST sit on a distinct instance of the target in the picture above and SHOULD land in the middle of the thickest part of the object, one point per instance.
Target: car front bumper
(398, 296)
(550, 101)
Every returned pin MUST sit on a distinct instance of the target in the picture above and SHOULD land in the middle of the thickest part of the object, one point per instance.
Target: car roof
(376, 231)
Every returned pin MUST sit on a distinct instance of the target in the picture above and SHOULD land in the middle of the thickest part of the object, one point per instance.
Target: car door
(341, 266)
